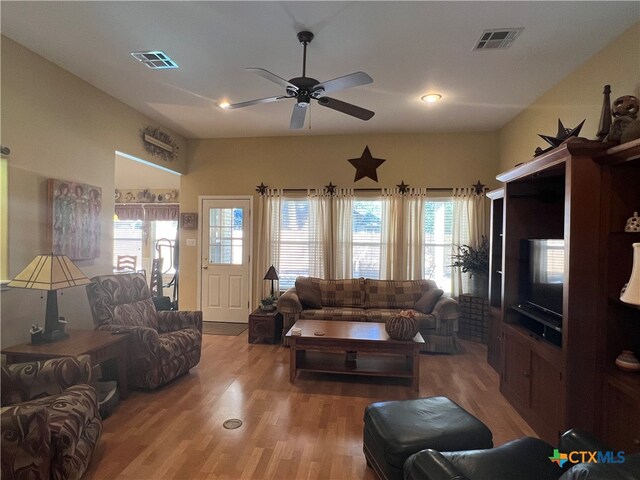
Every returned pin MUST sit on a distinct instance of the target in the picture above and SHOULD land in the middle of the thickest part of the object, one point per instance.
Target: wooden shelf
(365, 364)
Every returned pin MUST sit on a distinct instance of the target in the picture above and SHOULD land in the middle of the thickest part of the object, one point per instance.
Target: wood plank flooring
(309, 430)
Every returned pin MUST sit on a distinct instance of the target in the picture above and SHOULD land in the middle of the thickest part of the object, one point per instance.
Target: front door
(225, 254)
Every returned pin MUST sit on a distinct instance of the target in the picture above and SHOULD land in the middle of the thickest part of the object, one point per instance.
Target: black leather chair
(522, 459)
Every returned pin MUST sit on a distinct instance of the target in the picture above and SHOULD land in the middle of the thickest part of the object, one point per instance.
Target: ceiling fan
(304, 89)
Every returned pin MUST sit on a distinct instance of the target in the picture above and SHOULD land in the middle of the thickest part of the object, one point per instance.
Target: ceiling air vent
(155, 60)
(497, 38)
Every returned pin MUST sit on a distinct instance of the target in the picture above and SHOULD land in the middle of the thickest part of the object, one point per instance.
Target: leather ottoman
(395, 430)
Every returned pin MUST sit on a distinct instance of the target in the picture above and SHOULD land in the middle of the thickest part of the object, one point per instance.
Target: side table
(99, 345)
(265, 327)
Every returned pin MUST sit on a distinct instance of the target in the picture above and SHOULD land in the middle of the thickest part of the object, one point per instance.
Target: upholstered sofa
(50, 420)
(162, 344)
(369, 300)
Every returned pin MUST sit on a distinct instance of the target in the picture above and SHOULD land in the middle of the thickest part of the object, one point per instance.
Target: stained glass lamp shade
(50, 272)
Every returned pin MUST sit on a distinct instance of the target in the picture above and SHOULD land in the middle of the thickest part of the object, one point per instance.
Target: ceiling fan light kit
(431, 97)
(305, 89)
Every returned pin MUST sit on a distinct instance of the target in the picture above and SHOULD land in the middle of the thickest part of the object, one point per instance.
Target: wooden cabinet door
(621, 420)
(494, 348)
(547, 399)
(516, 369)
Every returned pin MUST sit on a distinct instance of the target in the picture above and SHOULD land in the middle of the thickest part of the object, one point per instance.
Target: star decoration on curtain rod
(262, 188)
(478, 188)
(403, 187)
(331, 188)
(366, 165)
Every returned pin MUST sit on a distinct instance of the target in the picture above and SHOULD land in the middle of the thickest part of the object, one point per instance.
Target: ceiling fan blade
(272, 77)
(298, 116)
(347, 81)
(255, 102)
(344, 107)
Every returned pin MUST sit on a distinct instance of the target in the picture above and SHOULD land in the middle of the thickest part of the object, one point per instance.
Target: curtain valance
(148, 212)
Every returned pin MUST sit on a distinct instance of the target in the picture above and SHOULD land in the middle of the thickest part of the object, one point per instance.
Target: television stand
(540, 323)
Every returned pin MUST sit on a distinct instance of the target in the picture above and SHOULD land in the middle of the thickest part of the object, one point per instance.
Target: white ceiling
(409, 48)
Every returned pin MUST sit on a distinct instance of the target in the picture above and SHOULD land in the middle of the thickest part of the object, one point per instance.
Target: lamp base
(48, 337)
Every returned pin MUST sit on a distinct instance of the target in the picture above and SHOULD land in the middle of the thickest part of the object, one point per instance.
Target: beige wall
(58, 126)
(236, 166)
(577, 97)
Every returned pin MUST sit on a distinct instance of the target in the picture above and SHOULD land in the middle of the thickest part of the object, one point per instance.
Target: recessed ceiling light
(224, 105)
(431, 97)
(155, 59)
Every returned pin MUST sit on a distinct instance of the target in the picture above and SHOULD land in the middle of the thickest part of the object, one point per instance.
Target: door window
(225, 236)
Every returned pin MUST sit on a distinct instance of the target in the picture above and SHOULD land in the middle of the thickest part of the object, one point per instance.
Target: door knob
(204, 267)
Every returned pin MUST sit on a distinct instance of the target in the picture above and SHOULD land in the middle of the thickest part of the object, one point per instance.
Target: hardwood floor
(309, 430)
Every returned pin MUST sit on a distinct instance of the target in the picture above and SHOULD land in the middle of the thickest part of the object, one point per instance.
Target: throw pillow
(428, 300)
(309, 293)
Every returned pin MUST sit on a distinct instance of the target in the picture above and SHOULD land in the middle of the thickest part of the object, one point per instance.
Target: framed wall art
(74, 219)
(189, 220)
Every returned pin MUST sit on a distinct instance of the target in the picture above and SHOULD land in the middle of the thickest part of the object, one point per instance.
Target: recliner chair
(162, 344)
(522, 459)
(50, 420)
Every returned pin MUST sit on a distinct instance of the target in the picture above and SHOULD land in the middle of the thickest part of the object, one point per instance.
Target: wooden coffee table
(99, 345)
(371, 351)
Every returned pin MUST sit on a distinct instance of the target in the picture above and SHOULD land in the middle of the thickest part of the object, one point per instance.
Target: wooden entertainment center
(559, 371)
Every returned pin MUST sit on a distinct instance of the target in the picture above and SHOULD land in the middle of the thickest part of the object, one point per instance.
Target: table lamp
(631, 294)
(50, 272)
(271, 275)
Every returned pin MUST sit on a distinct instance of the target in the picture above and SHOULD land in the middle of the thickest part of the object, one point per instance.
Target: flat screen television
(545, 280)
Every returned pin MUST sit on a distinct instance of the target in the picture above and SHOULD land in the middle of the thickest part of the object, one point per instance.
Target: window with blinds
(367, 238)
(127, 240)
(294, 254)
(438, 241)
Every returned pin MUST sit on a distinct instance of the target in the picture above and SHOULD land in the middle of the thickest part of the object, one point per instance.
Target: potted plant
(475, 262)
(268, 304)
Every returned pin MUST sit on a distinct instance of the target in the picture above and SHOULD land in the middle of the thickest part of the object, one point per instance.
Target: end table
(99, 345)
(265, 327)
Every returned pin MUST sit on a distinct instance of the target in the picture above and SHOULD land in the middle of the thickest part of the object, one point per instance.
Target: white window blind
(127, 240)
(294, 242)
(367, 237)
(438, 241)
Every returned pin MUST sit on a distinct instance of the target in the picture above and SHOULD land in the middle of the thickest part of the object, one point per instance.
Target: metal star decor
(403, 187)
(331, 188)
(366, 165)
(262, 188)
(478, 188)
(562, 136)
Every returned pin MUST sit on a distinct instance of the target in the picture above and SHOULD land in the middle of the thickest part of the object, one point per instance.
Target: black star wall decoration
(366, 165)
(262, 188)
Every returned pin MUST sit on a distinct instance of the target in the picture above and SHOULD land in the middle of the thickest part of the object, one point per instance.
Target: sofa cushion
(342, 293)
(308, 291)
(428, 300)
(339, 313)
(399, 294)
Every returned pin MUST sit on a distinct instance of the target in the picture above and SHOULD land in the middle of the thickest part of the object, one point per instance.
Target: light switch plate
(191, 242)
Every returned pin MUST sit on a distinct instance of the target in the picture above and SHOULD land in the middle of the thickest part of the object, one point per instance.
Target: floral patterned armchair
(50, 420)
(162, 345)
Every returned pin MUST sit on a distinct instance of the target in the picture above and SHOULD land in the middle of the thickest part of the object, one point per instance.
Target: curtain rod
(479, 187)
(432, 189)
